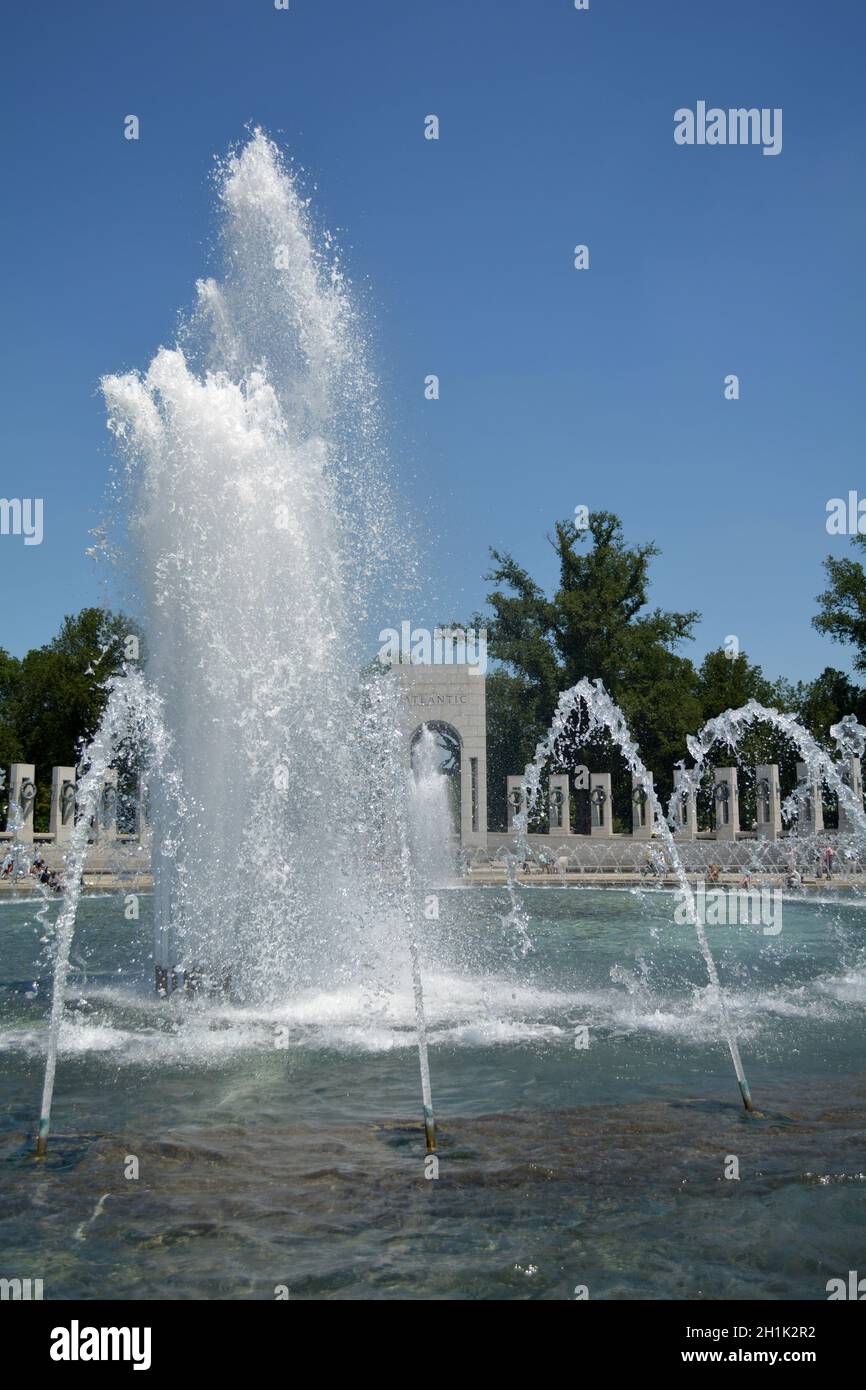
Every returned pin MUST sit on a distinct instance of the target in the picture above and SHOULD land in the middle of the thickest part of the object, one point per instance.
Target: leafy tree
(54, 696)
(596, 625)
(843, 604)
(514, 731)
(729, 682)
(825, 700)
(10, 746)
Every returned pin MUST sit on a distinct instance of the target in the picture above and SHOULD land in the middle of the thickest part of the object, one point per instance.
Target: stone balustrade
(724, 803)
(19, 791)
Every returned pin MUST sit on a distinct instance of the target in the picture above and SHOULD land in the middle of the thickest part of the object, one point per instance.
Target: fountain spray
(263, 537)
(603, 713)
(94, 763)
(729, 727)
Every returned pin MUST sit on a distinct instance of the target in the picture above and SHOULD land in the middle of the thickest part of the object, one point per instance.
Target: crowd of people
(655, 865)
(37, 869)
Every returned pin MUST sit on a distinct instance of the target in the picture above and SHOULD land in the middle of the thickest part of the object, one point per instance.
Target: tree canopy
(53, 697)
(598, 624)
(843, 605)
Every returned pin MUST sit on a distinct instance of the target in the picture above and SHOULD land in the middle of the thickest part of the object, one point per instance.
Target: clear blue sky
(558, 387)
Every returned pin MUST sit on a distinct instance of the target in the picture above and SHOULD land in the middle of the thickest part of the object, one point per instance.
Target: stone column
(641, 809)
(516, 799)
(141, 821)
(601, 803)
(482, 798)
(106, 811)
(726, 803)
(22, 792)
(465, 799)
(768, 801)
(559, 817)
(62, 818)
(810, 810)
(852, 776)
(685, 807)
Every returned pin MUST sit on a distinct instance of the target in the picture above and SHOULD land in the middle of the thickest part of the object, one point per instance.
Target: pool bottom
(652, 1200)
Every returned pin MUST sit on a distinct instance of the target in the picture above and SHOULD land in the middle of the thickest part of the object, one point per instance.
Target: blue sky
(558, 387)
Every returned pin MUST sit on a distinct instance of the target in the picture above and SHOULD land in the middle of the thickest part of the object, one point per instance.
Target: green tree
(727, 682)
(825, 700)
(53, 698)
(11, 750)
(514, 730)
(597, 624)
(843, 604)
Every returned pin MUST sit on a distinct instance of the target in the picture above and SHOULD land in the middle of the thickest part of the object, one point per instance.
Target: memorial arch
(451, 699)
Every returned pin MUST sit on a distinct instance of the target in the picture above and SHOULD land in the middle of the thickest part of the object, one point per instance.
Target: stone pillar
(642, 819)
(22, 792)
(768, 801)
(481, 765)
(465, 799)
(559, 816)
(810, 811)
(601, 803)
(852, 776)
(62, 818)
(685, 807)
(106, 811)
(451, 698)
(726, 803)
(141, 819)
(516, 799)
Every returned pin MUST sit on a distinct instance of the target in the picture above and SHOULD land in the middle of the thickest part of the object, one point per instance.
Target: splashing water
(591, 699)
(289, 845)
(263, 532)
(262, 538)
(729, 728)
(603, 714)
(430, 816)
(132, 720)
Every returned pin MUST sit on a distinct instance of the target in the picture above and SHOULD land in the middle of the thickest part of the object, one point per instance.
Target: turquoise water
(279, 1144)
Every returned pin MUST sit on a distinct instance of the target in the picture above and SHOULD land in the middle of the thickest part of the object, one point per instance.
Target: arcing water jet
(604, 714)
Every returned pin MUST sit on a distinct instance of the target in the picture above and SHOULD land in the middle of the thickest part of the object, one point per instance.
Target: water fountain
(586, 709)
(290, 847)
(603, 714)
(261, 535)
(293, 853)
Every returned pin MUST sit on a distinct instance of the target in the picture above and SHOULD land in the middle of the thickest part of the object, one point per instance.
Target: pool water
(590, 1127)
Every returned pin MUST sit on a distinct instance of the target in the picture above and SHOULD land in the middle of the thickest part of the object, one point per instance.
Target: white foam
(463, 1011)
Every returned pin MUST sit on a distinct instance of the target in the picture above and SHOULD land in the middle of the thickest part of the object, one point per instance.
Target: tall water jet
(264, 539)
